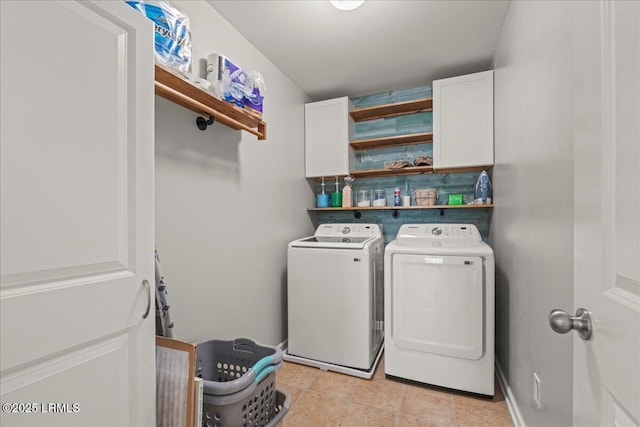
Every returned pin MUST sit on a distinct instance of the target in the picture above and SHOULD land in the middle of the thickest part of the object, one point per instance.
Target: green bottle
(336, 198)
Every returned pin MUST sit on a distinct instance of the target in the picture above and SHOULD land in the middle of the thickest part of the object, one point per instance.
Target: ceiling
(381, 46)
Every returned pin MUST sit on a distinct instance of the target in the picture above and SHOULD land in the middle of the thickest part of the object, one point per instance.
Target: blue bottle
(483, 192)
(322, 198)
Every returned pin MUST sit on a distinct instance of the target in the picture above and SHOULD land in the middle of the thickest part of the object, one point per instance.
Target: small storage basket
(426, 197)
(239, 382)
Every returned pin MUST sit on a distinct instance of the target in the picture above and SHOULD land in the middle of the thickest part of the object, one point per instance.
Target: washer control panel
(351, 230)
(440, 231)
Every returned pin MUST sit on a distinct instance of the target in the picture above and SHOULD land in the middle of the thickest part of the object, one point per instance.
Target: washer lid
(334, 242)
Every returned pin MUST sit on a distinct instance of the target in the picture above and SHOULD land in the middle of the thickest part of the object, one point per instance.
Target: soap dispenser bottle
(483, 192)
(322, 199)
(347, 196)
(336, 197)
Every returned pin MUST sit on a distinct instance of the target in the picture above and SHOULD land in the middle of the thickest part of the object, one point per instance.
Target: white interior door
(607, 212)
(76, 215)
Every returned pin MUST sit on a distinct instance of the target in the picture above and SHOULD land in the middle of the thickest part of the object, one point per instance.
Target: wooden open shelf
(414, 170)
(176, 89)
(392, 141)
(381, 208)
(390, 110)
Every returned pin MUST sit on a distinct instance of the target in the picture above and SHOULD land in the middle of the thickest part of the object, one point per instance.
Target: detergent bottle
(322, 198)
(336, 196)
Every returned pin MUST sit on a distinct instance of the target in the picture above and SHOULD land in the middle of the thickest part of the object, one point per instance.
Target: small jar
(379, 198)
(363, 199)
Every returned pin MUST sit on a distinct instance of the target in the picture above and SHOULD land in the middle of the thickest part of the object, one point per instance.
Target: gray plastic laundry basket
(239, 382)
(230, 366)
(283, 402)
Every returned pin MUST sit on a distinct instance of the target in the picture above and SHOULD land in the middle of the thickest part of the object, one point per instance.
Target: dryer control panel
(467, 232)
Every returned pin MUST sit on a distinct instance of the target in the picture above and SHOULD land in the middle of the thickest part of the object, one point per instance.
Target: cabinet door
(328, 129)
(463, 121)
(77, 220)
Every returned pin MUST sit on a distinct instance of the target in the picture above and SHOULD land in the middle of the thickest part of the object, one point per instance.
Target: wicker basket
(426, 197)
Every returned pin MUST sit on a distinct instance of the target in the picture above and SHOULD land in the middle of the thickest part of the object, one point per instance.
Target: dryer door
(437, 304)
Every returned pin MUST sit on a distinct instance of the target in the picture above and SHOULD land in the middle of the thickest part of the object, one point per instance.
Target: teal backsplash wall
(481, 218)
(445, 184)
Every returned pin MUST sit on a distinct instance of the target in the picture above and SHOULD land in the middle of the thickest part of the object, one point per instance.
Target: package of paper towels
(229, 77)
(171, 33)
(244, 89)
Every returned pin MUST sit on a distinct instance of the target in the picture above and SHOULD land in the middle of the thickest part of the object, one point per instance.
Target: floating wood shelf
(414, 170)
(380, 208)
(392, 141)
(177, 89)
(390, 110)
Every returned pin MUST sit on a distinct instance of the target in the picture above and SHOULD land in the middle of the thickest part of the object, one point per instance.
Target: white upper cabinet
(463, 121)
(328, 130)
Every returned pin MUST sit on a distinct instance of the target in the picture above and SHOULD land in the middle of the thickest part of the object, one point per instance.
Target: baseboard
(516, 416)
(283, 345)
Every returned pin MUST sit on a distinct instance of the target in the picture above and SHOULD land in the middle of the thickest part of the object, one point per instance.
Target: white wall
(228, 204)
(532, 228)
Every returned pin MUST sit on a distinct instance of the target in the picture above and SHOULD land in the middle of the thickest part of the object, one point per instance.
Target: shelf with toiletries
(180, 91)
(381, 208)
(417, 192)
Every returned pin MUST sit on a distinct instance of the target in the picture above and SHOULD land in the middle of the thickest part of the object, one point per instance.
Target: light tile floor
(321, 398)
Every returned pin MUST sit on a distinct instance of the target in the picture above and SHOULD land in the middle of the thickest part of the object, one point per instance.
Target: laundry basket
(239, 382)
(283, 402)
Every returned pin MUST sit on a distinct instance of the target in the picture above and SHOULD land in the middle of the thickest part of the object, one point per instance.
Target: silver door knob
(561, 322)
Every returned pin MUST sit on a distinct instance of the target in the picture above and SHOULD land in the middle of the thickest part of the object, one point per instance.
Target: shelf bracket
(441, 212)
(357, 215)
(395, 213)
(202, 123)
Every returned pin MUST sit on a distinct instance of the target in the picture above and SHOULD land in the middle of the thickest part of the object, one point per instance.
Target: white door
(76, 215)
(607, 212)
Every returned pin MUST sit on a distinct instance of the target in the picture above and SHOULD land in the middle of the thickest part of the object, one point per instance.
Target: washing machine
(335, 298)
(439, 291)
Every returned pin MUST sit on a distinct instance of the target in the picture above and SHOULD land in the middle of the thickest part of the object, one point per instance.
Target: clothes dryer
(439, 307)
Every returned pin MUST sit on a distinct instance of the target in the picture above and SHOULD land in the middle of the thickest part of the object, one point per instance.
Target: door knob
(561, 322)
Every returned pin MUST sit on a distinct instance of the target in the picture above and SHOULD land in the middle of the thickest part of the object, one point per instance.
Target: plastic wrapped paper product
(172, 34)
(254, 92)
(228, 77)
